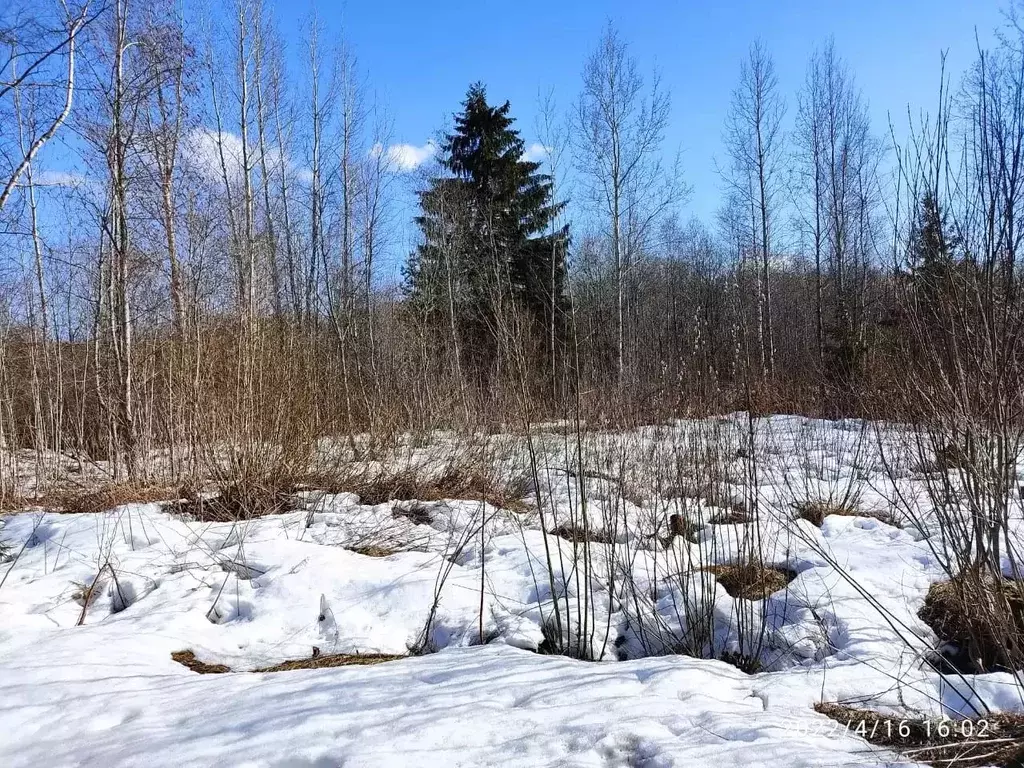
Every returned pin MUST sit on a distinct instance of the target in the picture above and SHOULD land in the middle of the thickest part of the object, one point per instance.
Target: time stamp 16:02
(892, 728)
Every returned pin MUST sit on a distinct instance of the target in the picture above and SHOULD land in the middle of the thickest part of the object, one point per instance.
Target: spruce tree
(487, 241)
(930, 260)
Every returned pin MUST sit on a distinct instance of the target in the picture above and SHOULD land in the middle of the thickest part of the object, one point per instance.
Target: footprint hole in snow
(229, 609)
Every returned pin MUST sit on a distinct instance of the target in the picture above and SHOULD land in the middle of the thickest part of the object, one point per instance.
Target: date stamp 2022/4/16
(894, 729)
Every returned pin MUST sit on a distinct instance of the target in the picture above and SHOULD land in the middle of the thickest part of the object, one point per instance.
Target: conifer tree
(931, 255)
(487, 237)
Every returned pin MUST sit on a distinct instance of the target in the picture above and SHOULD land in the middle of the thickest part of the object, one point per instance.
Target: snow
(95, 685)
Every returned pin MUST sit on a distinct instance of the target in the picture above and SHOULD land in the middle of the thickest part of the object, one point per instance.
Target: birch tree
(753, 136)
(620, 125)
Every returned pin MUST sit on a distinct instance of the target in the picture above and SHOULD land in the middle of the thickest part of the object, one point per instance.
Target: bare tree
(620, 125)
(25, 67)
(754, 138)
(840, 158)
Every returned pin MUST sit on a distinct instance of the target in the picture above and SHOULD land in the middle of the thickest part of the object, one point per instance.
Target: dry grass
(188, 659)
(996, 740)
(316, 661)
(415, 511)
(332, 660)
(241, 500)
(815, 511)
(750, 581)
(374, 550)
(453, 484)
(78, 501)
(578, 534)
(985, 623)
(735, 516)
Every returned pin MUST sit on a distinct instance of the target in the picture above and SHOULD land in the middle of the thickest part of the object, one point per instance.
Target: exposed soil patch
(751, 581)
(997, 740)
(981, 624)
(316, 661)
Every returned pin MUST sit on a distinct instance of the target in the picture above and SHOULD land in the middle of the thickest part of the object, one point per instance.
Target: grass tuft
(750, 581)
(983, 621)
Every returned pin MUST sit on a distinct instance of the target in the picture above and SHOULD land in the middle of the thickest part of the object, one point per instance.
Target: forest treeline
(215, 270)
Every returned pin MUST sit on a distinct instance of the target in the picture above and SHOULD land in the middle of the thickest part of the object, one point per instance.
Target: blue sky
(421, 56)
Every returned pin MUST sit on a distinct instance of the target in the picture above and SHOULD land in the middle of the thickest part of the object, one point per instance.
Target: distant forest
(214, 275)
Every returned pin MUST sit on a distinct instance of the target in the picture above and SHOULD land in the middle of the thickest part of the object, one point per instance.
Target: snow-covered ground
(92, 606)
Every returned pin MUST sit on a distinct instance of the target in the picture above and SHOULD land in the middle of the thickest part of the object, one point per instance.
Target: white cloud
(204, 156)
(536, 152)
(407, 157)
(204, 153)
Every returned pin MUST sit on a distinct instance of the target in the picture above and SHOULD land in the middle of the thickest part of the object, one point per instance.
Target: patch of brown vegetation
(815, 512)
(453, 484)
(984, 620)
(679, 526)
(580, 534)
(995, 740)
(735, 516)
(241, 500)
(416, 511)
(319, 661)
(78, 501)
(750, 581)
(373, 550)
(188, 659)
(316, 661)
